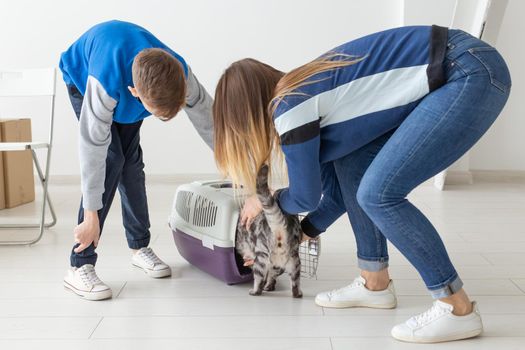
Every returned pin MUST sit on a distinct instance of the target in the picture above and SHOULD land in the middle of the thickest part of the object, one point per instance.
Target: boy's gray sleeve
(95, 122)
(199, 108)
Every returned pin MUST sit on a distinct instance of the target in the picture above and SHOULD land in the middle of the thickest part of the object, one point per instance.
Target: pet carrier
(204, 222)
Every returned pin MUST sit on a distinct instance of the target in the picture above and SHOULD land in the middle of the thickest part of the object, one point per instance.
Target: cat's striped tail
(271, 209)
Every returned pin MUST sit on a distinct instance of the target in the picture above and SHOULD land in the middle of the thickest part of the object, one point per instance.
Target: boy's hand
(252, 207)
(88, 231)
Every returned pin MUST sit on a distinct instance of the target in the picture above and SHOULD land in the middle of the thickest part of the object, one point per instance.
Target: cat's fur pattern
(272, 241)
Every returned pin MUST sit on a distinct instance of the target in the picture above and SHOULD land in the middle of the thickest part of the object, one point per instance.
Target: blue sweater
(346, 108)
(106, 52)
(99, 64)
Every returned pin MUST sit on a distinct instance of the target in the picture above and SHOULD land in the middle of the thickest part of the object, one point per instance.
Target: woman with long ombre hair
(360, 127)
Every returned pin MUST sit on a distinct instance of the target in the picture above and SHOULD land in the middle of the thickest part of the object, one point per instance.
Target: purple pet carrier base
(219, 262)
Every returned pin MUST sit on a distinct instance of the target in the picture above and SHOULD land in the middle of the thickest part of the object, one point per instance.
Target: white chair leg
(44, 181)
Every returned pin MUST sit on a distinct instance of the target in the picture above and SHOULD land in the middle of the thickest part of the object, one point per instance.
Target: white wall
(426, 12)
(503, 146)
(210, 34)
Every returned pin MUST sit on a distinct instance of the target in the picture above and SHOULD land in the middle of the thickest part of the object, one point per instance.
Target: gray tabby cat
(272, 241)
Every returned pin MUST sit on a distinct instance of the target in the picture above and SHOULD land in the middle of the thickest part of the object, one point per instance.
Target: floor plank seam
(257, 315)
(94, 329)
(487, 259)
(517, 285)
(121, 289)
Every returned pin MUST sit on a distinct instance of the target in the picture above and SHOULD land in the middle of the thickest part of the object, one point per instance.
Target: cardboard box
(19, 181)
(2, 192)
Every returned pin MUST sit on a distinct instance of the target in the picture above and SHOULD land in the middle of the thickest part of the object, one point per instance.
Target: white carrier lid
(207, 211)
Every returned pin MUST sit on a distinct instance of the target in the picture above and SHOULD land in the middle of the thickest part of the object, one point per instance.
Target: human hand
(305, 238)
(88, 231)
(252, 207)
(248, 261)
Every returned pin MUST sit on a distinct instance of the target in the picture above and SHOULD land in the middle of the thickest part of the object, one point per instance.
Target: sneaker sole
(345, 305)
(154, 274)
(93, 296)
(460, 336)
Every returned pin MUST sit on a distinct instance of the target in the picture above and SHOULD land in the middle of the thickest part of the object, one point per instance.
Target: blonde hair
(246, 97)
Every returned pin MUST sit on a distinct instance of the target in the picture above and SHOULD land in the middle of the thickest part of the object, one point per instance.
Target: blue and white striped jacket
(346, 108)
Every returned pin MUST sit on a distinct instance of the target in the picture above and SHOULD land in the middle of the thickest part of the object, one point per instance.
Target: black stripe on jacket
(301, 134)
(438, 47)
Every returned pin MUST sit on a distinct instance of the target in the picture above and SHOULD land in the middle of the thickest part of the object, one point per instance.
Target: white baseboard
(499, 175)
(64, 180)
(453, 177)
(459, 177)
(152, 179)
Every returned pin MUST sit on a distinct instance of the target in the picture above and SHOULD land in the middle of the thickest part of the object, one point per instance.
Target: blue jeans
(373, 182)
(125, 171)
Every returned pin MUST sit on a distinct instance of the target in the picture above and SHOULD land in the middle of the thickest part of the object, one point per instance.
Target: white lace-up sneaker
(148, 261)
(357, 295)
(84, 281)
(439, 324)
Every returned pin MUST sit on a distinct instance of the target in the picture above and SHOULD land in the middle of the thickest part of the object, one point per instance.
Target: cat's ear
(263, 171)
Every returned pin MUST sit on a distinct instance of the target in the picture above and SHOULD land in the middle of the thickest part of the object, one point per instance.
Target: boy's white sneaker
(439, 324)
(148, 261)
(84, 281)
(357, 295)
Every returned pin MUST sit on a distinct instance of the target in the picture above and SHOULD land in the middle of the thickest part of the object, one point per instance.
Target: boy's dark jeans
(125, 171)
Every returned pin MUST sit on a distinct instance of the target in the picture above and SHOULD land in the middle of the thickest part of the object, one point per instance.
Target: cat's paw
(255, 292)
(297, 293)
(269, 288)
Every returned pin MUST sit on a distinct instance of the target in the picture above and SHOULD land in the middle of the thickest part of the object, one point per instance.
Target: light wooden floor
(482, 225)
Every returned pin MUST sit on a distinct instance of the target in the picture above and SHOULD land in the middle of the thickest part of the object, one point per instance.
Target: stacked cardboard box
(2, 191)
(17, 181)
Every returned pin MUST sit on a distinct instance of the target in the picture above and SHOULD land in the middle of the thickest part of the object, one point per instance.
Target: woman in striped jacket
(360, 127)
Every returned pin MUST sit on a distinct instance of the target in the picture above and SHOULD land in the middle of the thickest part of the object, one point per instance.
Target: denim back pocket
(495, 65)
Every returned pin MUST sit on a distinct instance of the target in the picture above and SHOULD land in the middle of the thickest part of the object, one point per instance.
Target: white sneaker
(439, 324)
(357, 295)
(146, 259)
(84, 282)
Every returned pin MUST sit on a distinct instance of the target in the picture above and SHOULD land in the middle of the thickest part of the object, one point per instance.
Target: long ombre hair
(246, 97)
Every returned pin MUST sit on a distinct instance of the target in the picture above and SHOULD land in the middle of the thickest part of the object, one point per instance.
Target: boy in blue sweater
(117, 74)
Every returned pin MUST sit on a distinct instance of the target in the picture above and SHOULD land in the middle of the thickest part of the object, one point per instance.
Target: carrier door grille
(183, 205)
(204, 212)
